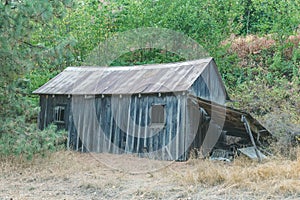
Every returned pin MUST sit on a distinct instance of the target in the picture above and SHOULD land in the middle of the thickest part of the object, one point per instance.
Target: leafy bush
(276, 105)
(18, 138)
(146, 56)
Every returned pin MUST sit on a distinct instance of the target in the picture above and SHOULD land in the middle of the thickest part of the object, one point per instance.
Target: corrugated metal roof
(170, 77)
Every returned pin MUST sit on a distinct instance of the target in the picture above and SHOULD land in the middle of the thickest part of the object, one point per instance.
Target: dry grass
(274, 176)
(71, 175)
(253, 44)
(249, 45)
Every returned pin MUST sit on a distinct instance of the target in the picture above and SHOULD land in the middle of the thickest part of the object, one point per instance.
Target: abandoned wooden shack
(154, 111)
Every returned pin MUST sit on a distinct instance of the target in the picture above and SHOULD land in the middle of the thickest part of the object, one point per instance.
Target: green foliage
(275, 104)
(25, 140)
(19, 20)
(146, 56)
(270, 16)
(24, 47)
(208, 22)
(27, 47)
(38, 39)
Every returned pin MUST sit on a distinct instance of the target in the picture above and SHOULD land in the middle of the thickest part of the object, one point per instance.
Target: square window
(158, 115)
(59, 114)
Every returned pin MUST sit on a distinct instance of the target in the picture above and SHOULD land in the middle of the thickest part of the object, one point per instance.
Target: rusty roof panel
(232, 120)
(170, 77)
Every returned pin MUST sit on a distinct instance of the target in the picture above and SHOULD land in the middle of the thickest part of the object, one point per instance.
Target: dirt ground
(70, 175)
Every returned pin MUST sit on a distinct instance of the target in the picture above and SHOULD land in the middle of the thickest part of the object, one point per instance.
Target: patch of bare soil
(71, 175)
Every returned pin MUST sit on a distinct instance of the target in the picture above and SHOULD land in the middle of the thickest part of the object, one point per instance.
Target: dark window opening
(158, 115)
(59, 114)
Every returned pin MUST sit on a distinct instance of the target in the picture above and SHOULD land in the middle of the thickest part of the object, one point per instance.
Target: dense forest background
(254, 42)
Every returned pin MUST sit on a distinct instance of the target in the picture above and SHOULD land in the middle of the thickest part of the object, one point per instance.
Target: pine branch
(34, 46)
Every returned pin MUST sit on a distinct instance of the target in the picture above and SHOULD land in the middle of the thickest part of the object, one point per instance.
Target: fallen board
(233, 124)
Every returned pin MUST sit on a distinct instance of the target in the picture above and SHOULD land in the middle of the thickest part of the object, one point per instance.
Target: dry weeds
(253, 44)
(249, 45)
(276, 176)
(70, 175)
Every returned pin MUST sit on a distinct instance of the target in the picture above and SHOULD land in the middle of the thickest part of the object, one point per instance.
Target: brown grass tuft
(68, 174)
(274, 176)
(249, 45)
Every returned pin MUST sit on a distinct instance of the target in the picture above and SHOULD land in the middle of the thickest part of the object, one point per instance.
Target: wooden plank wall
(209, 86)
(47, 104)
(121, 124)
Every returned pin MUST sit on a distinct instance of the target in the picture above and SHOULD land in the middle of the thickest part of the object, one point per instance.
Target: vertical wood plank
(178, 124)
(128, 130)
(140, 103)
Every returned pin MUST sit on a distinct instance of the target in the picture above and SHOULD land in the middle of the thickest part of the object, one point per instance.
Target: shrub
(18, 138)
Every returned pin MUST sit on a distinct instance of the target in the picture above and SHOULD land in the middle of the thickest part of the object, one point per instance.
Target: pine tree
(22, 25)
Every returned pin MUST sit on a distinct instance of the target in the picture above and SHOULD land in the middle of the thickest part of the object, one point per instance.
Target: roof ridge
(139, 67)
(126, 80)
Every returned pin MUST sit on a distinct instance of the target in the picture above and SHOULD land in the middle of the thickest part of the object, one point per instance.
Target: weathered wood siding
(47, 105)
(209, 85)
(122, 125)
